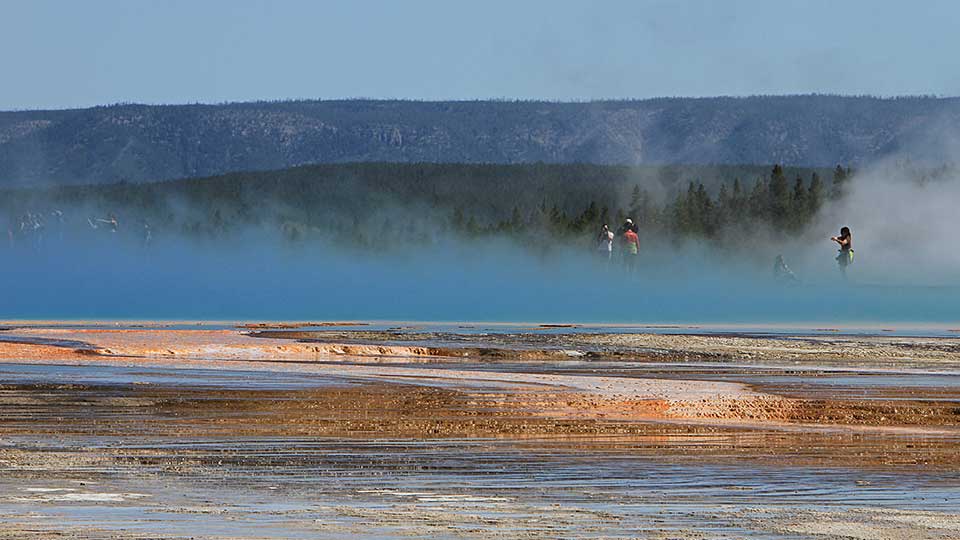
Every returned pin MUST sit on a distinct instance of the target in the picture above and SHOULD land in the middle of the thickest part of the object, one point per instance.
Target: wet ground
(148, 441)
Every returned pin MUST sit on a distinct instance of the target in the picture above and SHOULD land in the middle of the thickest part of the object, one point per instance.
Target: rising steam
(906, 270)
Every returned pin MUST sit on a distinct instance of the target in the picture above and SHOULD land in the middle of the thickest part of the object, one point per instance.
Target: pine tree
(814, 196)
(757, 203)
(457, 221)
(798, 204)
(737, 199)
(677, 212)
(724, 206)
(840, 176)
(779, 197)
(473, 229)
(635, 202)
(640, 210)
(516, 220)
(704, 211)
(591, 214)
(558, 219)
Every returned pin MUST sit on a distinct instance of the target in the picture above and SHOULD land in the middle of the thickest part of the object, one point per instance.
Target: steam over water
(452, 281)
(906, 270)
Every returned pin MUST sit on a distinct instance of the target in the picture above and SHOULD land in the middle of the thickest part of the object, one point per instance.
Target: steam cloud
(905, 270)
(904, 232)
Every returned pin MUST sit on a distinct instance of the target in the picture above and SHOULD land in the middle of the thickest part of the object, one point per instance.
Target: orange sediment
(536, 395)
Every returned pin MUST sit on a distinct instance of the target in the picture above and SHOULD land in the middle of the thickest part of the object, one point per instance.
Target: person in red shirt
(631, 248)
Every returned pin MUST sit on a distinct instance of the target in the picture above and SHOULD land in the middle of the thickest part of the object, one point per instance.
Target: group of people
(33, 229)
(783, 274)
(629, 243)
(110, 223)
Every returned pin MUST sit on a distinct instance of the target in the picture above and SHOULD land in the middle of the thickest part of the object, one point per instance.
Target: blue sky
(69, 54)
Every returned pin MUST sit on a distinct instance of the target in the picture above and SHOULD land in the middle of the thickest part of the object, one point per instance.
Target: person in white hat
(630, 245)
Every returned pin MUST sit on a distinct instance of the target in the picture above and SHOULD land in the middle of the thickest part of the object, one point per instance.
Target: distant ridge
(135, 143)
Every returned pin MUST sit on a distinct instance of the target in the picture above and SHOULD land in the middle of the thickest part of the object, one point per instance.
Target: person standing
(605, 243)
(631, 249)
(845, 241)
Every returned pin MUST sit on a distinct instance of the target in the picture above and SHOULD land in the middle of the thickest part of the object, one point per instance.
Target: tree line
(369, 204)
(784, 205)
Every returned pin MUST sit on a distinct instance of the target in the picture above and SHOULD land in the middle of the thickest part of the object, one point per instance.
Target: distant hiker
(58, 220)
(631, 248)
(111, 223)
(845, 241)
(34, 227)
(147, 234)
(13, 228)
(782, 272)
(605, 242)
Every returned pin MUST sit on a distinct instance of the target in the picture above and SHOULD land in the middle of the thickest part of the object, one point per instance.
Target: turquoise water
(456, 284)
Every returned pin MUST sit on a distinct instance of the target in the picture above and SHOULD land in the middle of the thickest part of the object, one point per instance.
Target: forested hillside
(379, 205)
(137, 143)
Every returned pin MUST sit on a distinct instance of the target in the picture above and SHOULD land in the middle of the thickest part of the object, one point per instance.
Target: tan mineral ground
(327, 430)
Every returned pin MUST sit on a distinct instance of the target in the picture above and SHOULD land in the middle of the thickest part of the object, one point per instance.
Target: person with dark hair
(845, 241)
(605, 243)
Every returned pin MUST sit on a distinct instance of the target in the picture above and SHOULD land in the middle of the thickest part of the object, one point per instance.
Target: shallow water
(372, 489)
(54, 374)
(797, 329)
(575, 326)
(723, 484)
